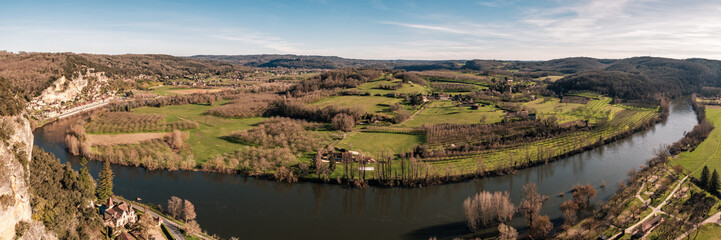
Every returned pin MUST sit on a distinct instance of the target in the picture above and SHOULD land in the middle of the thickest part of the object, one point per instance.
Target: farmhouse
(118, 215)
(345, 156)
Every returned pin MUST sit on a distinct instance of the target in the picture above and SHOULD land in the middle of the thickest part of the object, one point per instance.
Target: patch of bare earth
(130, 138)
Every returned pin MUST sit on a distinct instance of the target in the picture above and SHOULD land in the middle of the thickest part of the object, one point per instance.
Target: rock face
(68, 93)
(15, 154)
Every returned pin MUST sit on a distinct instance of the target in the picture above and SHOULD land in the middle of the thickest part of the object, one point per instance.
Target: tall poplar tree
(86, 180)
(714, 184)
(703, 181)
(105, 188)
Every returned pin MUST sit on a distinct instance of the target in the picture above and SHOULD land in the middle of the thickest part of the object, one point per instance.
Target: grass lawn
(554, 107)
(163, 90)
(708, 231)
(369, 104)
(375, 143)
(373, 87)
(707, 152)
(447, 112)
(207, 140)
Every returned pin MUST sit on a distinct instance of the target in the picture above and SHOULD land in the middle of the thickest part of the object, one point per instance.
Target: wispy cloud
(257, 38)
(496, 3)
(602, 28)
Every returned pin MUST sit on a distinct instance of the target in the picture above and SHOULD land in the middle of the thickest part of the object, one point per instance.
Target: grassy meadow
(707, 153)
(377, 142)
(210, 138)
(448, 112)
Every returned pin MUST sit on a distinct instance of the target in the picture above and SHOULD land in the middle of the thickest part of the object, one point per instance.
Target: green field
(539, 150)
(369, 104)
(707, 152)
(207, 140)
(567, 112)
(447, 112)
(408, 88)
(376, 143)
(708, 231)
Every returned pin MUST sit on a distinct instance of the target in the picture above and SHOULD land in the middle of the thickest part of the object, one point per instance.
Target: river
(249, 208)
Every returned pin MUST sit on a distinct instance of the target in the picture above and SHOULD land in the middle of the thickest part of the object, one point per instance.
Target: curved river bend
(233, 205)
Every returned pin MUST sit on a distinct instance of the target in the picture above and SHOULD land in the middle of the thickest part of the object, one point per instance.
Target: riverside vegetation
(404, 128)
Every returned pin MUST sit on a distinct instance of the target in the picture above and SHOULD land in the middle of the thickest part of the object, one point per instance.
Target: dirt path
(713, 219)
(130, 138)
(656, 210)
(414, 114)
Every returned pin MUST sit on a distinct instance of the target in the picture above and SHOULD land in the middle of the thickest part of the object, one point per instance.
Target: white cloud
(597, 28)
(257, 38)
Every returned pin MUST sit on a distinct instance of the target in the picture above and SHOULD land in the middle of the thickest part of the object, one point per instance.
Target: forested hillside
(31, 73)
(644, 77)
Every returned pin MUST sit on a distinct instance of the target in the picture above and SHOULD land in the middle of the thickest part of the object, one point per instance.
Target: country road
(173, 227)
(82, 109)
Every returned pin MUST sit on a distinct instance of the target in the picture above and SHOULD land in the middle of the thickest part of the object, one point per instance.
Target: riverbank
(647, 207)
(387, 172)
(256, 209)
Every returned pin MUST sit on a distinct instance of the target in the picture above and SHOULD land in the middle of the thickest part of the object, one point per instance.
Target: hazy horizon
(374, 29)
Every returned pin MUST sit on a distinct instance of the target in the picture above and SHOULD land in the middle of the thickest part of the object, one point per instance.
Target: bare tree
(582, 194)
(188, 211)
(343, 122)
(531, 203)
(541, 227)
(175, 206)
(569, 208)
(507, 232)
(485, 208)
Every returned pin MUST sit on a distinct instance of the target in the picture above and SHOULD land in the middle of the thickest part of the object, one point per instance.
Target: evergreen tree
(703, 181)
(105, 188)
(87, 183)
(714, 184)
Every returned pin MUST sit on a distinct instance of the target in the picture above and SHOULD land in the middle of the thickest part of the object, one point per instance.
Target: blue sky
(369, 29)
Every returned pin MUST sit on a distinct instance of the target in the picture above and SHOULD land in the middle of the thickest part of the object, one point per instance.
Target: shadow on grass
(443, 231)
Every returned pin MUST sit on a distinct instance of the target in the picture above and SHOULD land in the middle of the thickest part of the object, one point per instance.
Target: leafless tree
(531, 203)
(507, 232)
(188, 211)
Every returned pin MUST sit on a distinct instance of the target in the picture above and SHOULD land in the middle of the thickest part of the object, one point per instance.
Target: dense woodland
(33, 72)
(60, 198)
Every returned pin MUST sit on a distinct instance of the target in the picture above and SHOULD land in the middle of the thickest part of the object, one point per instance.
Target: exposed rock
(15, 155)
(65, 94)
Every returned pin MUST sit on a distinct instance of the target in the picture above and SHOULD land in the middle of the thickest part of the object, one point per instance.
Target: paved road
(713, 219)
(84, 108)
(173, 227)
(656, 210)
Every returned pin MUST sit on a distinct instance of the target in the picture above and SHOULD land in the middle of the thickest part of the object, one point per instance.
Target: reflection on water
(232, 205)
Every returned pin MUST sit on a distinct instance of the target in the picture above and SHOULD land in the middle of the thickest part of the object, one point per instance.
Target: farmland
(369, 104)
(382, 87)
(450, 112)
(706, 154)
(378, 142)
(451, 124)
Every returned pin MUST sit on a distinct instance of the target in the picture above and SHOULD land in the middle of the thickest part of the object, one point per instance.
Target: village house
(117, 215)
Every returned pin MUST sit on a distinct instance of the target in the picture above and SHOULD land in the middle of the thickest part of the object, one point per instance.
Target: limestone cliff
(15, 150)
(69, 94)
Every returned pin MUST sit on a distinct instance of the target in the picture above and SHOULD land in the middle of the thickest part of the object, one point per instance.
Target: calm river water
(233, 205)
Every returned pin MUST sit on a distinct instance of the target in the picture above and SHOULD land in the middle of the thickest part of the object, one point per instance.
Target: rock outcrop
(65, 94)
(15, 153)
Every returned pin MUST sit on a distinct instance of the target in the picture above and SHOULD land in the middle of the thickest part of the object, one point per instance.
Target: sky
(369, 29)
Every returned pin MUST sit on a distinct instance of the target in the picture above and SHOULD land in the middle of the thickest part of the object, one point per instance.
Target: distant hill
(33, 72)
(644, 77)
(328, 62)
